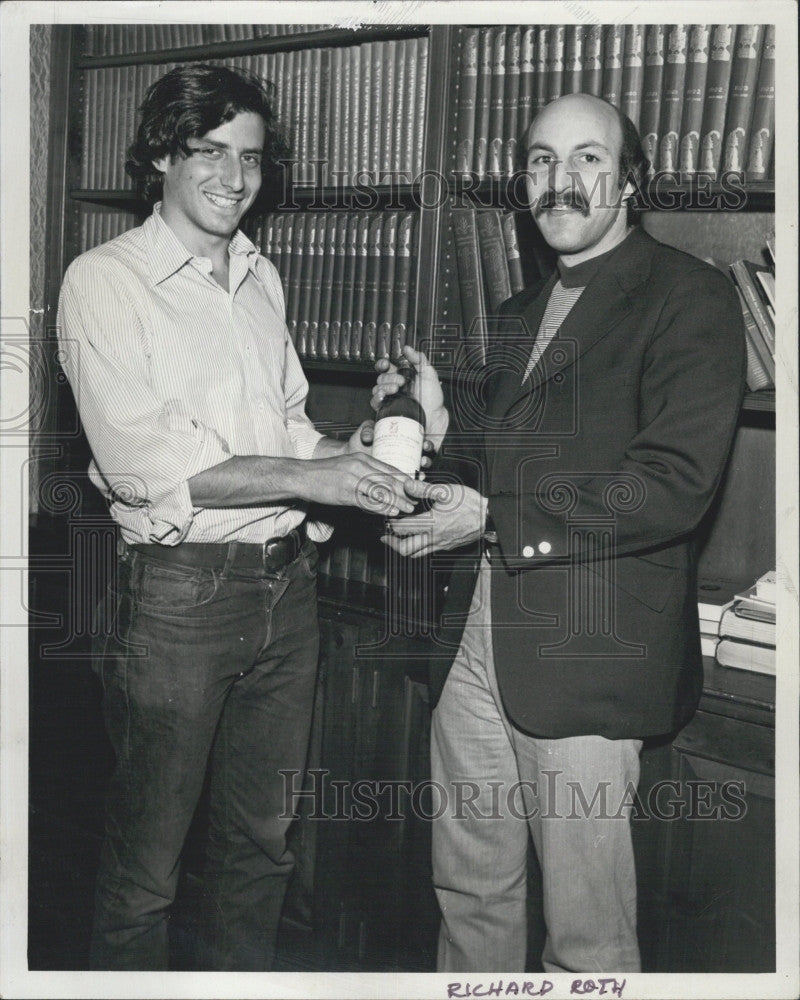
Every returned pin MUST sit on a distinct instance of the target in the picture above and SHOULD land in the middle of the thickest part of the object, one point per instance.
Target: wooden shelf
(331, 38)
(760, 402)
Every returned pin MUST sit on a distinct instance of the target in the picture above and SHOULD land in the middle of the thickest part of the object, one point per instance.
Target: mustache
(567, 199)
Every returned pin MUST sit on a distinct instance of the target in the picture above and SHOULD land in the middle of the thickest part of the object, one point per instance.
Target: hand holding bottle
(426, 390)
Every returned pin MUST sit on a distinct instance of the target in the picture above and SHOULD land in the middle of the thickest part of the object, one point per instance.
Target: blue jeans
(207, 670)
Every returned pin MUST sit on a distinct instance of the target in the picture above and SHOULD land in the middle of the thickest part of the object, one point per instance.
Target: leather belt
(270, 556)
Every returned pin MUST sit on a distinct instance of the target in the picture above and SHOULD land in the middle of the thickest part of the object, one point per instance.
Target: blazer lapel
(605, 302)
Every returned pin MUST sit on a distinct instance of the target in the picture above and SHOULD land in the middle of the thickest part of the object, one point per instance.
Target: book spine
(286, 255)
(762, 128)
(388, 111)
(386, 284)
(316, 349)
(402, 283)
(324, 348)
(573, 60)
(303, 345)
(323, 145)
(338, 124)
(493, 257)
(465, 237)
(527, 50)
(758, 376)
(419, 112)
(298, 246)
(277, 241)
(350, 125)
(411, 330)
(752, 300)
(396, 162)
(593, 60)
(361, 139)
(374, 125)
(494, 160)
(652, 90)
(314, 102)
(360, 285)
(513, 258)
(612, 63)
(408, 107)
(540, 69)
(511, 100)
(465, 105)
(369, 341)
(265, 235)
(483, 97)
(717, 87)
(555, 63)
(693, 94)
(741, 98)
(339, 331)
(633, 72)
(341, 277)
(672, 101)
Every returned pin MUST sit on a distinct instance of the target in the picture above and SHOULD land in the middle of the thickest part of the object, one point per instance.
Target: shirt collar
(579, 275)
(167, 254)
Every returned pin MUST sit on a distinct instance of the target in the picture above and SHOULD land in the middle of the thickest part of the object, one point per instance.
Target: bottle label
(398, 442)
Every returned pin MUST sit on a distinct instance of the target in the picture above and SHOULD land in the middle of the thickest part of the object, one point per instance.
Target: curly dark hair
(189, 101)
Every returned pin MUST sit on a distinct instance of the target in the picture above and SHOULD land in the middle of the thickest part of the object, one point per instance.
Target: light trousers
(574, 795)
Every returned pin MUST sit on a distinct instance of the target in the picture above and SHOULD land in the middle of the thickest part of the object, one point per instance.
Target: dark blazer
(598, 471)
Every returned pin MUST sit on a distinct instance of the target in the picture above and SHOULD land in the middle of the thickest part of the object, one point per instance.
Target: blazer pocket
(650, 583)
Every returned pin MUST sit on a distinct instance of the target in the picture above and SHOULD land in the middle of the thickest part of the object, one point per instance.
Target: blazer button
(544, 547)
(528, 552)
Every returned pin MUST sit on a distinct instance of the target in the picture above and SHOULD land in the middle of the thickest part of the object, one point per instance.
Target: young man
(612, 399)
(192, 398)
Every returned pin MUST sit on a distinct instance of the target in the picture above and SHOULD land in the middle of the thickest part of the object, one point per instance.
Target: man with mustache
(570, 629)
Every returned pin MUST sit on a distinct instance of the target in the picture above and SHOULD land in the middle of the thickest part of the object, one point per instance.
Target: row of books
(98, 227)
(702, 96)
(489, 266)
(739, 630)
(755, 285)
(360, 108)
(348, 280)
(121, 39)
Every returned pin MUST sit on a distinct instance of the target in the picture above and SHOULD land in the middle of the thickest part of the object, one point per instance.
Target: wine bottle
(400, 426)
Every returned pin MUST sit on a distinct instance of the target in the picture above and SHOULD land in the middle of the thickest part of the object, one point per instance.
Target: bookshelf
(373, 710)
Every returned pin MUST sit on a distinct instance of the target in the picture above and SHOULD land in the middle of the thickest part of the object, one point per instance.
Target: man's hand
(427, 391)
(359, 480)
(457, 517)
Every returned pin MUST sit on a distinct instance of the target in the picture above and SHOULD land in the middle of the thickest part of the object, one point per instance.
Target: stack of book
(747, 628)
(351, 115)
(702, 96)
(714, 597)
(755, 284)
(348, 279)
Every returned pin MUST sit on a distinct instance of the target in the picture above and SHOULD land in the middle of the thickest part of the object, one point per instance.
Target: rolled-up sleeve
(145, 448)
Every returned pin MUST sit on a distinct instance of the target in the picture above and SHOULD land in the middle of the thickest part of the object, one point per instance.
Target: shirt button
(544, 547)
(528, 551)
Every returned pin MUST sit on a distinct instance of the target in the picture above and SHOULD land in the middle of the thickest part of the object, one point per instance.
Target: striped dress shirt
(173, 374)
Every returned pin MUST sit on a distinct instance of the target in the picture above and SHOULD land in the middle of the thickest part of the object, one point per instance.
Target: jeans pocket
(309, 559)
(172, 590)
